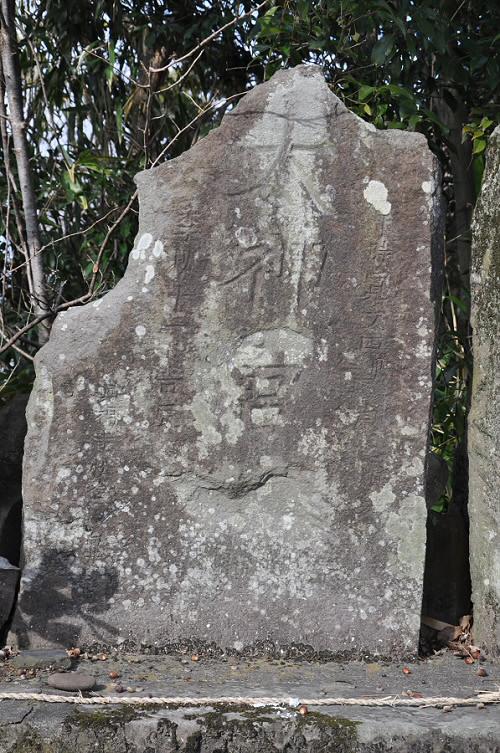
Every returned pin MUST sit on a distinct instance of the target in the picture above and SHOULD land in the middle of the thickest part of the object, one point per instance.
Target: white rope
(484, 697)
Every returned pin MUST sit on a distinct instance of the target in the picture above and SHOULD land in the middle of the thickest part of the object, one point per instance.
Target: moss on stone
(111, 717)
(31, 742)
(335, 731)
(326, 720)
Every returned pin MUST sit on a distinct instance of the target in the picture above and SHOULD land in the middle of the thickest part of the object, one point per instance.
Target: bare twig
(181, 78)
(108, 235)
(12, 74)
(8, 170)
(47, 113)
(69, 235)
(192, 122)
(210, 37)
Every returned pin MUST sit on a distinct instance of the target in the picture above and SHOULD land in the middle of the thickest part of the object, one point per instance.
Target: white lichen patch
(347, 416)
(144, 242)
(384, 499)
(414, 468)
(158, 250)
(376, 194)
(314, 444)
(322, 350)
(246, 237)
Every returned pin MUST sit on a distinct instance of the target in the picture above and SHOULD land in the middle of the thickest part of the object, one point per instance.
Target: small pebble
(447, 708)
(114, 675)
(303, 710)
(195, 657)
(71, 681)
(482, 672)
(480, 705)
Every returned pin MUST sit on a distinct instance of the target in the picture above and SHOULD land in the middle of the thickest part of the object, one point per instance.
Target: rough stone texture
(484, 420)
(230, 445)
(62, 729)
(57, 728)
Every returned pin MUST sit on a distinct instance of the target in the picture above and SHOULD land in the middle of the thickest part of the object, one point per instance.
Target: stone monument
(229, 446)
(484, 421)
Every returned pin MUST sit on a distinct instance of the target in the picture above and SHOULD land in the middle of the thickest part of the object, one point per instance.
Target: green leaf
(70, 181)
(119, 121)
(462, 305)
(479, 146)
(485, 123)
(382, 49)
(365, 91)
(439, 507)
(95, 162)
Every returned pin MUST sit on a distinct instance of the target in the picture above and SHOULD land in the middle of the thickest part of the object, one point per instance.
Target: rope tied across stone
(483, 697)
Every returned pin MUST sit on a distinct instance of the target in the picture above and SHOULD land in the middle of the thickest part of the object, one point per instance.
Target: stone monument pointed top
(229, 446)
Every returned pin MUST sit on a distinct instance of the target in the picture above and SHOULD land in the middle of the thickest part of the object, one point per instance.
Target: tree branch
(12, 75)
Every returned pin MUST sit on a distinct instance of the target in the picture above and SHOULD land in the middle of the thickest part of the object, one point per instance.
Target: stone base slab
(26, 727)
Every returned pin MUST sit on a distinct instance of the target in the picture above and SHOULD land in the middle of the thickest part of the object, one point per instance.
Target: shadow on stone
(51, 605)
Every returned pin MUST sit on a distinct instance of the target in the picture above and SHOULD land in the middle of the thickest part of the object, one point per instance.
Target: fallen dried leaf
(414, 694)
(469, 660)
(114, 675)
(482, 672)
(195, 657)
(74, 652)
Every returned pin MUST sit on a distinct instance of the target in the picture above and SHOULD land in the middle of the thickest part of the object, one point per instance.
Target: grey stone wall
(484, 420)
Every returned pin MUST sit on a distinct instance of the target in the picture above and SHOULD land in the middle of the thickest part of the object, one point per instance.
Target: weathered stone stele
(230, 445)
(484, 420)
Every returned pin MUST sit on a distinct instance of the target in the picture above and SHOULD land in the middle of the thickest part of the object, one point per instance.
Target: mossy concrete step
(43, 728)
(40, 727)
